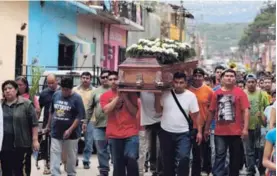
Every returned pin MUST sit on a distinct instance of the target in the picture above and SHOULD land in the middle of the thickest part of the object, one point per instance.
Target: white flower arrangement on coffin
(166, 51)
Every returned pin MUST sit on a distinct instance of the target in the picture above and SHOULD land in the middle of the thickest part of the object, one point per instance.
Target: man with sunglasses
(122, 127)
(96, 116)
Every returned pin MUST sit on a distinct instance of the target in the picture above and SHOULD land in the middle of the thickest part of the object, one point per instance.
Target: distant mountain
(220, 12)
(220, 37)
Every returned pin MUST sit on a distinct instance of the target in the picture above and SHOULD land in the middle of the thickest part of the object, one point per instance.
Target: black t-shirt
(64, 111)
(8, 140)
(45, 100)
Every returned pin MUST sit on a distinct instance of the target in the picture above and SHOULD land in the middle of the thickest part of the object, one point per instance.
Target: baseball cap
(251, 76)
(199, 71)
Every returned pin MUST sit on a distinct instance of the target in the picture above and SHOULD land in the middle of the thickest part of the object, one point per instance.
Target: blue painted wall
(45, 25)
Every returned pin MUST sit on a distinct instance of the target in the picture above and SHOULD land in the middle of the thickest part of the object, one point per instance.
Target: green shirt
(258, 102)
(94, 110)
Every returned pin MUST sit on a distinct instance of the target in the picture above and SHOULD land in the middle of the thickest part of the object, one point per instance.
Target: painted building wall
(152, 23)
(174, 33)
(88, 29)
(12, 15)
(116, 37)
(46, 23)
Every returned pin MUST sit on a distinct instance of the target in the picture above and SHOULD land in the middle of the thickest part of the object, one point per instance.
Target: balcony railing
(120, 9)
(128, 10)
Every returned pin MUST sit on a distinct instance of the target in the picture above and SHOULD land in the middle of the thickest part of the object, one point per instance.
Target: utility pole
(182, 18)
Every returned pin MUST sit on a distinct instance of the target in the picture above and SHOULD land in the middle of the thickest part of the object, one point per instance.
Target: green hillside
(221, 37)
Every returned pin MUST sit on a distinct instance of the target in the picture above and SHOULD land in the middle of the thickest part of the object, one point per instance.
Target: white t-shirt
(147, 110)
(173, 119)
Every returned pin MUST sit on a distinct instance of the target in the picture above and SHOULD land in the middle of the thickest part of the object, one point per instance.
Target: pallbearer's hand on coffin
(119, 103)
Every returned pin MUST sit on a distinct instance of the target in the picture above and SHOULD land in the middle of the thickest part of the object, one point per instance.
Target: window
(174, 19)
(121, 55)
(66, 54)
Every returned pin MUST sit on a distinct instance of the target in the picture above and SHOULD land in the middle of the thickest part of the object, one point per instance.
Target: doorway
(66, 54)
(19, 55)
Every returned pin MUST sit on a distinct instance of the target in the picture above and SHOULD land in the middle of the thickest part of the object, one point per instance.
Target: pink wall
(114, 37)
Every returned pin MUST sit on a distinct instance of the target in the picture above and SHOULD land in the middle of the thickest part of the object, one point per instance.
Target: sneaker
(204, 174)
(46, 171)
(86, 166)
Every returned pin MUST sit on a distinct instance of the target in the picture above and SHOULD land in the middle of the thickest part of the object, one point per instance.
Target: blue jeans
(175, 148)
(88, 143)
(250, 150)
(222, 143)
(125, 154)
(102, 146)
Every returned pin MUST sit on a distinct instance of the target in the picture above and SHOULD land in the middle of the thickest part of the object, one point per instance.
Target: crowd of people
(207, 124)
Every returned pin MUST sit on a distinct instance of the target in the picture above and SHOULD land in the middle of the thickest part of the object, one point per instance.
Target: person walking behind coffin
(151, 122)
(20, 132)
(23, 90)
(45, 100)
(122, 128)
(201, 154)
(67, 110)
(96, 116)
(229, 106)
(175, 136)
(258, 101)
(85, 90)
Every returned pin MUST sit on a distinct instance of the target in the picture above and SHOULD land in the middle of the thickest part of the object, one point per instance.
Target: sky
(222, 11)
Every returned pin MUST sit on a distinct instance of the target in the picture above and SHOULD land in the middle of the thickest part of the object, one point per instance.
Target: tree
(258, 30)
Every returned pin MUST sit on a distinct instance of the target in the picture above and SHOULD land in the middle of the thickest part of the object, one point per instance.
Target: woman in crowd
(269, 158)
(20, 132)
(23, 88)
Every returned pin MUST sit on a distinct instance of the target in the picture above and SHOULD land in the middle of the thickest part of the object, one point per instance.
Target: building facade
(14, 38)
(54, 41)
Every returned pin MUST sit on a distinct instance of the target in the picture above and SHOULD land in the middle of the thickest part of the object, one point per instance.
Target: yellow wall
(12, 16)
(175, 33)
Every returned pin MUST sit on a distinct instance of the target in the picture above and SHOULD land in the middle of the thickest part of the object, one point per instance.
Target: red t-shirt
(120, 123)
(228, 107)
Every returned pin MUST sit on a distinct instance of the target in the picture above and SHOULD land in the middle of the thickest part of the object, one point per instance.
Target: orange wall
(174, 33)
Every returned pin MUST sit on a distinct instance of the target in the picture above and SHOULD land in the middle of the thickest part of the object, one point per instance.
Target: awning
(75, 39)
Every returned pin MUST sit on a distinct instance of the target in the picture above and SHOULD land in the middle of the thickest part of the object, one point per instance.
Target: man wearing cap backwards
(230, 108)
(258, 101)
(202, 153)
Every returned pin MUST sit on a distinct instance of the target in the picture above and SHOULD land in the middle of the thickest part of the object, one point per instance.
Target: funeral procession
(138, 88)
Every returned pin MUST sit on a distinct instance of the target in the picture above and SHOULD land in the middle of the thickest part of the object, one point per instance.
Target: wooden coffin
(146, 74)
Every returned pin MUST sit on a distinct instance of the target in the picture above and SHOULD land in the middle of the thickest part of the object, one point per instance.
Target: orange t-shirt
(203, 95)
(120, 124)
